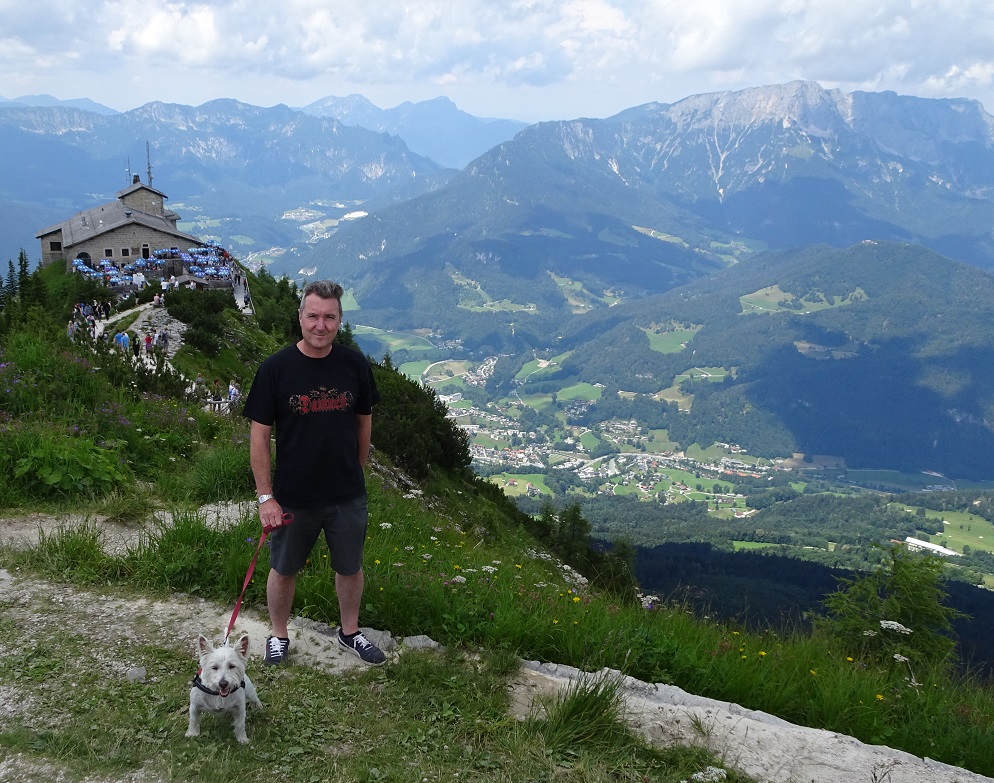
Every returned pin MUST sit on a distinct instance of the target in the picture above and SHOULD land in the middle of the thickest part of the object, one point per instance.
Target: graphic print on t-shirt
(321, 401)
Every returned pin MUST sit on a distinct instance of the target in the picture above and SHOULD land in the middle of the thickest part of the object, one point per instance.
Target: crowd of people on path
(153, 342)
(85, 316)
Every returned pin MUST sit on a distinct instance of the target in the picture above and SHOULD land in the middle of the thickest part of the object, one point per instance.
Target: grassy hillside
(449, 557)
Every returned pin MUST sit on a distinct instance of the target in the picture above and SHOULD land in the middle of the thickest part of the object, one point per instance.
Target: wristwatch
(264, 498)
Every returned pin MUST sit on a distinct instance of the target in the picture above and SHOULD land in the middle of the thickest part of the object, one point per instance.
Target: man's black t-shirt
(312, 404)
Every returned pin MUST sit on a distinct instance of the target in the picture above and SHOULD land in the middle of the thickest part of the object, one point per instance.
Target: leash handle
(287, 519)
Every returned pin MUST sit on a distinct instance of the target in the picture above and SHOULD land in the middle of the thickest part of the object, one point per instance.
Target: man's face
(319, 323)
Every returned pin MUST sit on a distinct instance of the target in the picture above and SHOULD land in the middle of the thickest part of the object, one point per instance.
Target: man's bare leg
(349, 589)
(279, 598)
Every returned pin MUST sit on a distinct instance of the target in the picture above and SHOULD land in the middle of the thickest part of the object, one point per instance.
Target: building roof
(91, 223)
(138, 185)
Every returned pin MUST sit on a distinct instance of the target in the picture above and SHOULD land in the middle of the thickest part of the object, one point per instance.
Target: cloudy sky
(523, 59)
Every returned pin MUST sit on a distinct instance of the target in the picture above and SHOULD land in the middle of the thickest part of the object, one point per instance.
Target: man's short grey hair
(325, 289)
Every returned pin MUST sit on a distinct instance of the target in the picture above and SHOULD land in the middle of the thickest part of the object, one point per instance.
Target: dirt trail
(761, 745)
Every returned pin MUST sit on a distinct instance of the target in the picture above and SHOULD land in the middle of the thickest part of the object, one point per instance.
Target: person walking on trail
(318, 397)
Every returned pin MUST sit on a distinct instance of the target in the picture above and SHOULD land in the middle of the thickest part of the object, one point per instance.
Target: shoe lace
(361, 641)
(275, 646)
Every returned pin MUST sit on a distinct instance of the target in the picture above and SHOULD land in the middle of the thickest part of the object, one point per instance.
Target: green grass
(522, 480)
(963, 529)
(669, 342)
(538, 367)
(579, 391)
(395, 341)
(448, 567)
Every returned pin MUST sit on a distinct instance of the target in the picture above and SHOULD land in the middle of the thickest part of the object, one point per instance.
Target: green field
(538, 367)
(963, 529)
(521, 486)
(702, 373)
(414, 370)
(660, 442)
(772, 299)
(669, 342)
(589, 440)
(579, 391)
(675, 394)
(395, 341)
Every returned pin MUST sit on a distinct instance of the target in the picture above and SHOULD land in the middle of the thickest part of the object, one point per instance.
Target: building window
(108, 252)
(54, 247)
(125, 252)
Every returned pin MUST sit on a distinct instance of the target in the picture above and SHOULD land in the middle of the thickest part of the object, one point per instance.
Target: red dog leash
(287, 519)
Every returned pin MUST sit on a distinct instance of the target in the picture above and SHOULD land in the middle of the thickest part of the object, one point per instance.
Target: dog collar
(199, 684)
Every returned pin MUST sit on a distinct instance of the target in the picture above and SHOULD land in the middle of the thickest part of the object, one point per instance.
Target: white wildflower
(709, 775)
(891, 625)
(459, 580)
(900, 658)
(385, 526)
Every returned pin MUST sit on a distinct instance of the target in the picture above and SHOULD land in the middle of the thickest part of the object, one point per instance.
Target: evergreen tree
(10, 287)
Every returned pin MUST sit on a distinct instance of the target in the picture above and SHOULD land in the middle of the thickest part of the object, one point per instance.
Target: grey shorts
(344, 526)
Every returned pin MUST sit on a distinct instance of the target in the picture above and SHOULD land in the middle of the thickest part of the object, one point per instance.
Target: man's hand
(272, 517)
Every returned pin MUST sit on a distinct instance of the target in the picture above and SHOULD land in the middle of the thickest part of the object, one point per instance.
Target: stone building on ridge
(121, 231)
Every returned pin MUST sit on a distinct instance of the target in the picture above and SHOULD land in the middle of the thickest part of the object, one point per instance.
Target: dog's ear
(242, 645)
(204, 647)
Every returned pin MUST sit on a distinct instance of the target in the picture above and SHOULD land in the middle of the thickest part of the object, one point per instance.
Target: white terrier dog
(221, 685)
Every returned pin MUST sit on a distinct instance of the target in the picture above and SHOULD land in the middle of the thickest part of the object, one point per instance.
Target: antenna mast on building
(148, 163)
(128, 169)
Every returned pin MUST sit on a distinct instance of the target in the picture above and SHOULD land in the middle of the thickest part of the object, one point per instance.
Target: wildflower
(576, 599)
(385, 526)
(487, 569)
(709, 775)
(814, 673)
(555, 622)
(849, 658)
(891, 625)
(869, 633)
(426, 556)
(459, 579)
(880, 697)
(900, 658)
(377, 562)
(517, 565)
(762, 653)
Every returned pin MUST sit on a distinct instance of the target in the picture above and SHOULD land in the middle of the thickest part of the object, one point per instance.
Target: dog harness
(199, 684)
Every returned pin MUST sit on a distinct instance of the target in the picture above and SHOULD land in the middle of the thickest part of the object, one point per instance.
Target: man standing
(318, 396)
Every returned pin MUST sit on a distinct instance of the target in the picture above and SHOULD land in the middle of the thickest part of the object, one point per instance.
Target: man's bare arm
(261, 460)
(364, 431)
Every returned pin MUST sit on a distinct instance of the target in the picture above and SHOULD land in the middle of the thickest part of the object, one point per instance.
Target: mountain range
(591, 235)
(660, 194)
(436, 129)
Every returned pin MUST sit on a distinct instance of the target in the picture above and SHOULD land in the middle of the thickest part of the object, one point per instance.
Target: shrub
(70, 466)
(897, 610)
(411, 426)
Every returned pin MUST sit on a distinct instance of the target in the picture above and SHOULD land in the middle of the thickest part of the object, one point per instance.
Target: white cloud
(560, 57)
